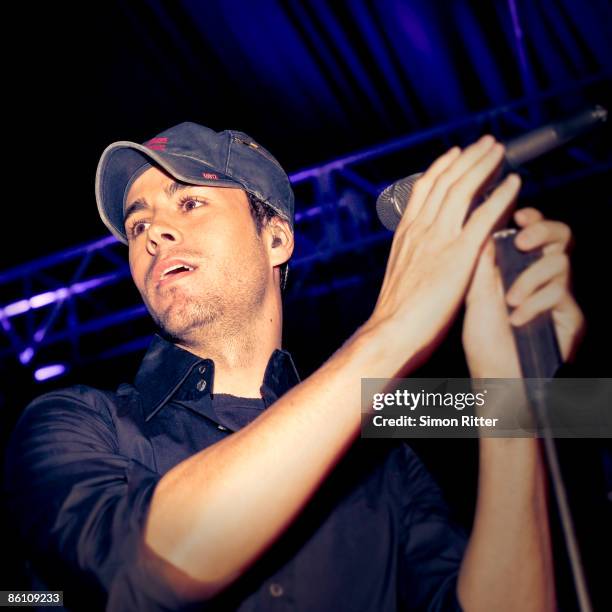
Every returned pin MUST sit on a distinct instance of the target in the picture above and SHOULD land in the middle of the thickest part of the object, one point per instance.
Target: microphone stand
(539, 355)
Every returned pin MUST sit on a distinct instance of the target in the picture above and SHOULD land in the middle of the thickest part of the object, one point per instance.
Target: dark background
(311, 81)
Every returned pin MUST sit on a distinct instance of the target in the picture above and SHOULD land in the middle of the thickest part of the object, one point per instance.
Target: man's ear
(279, 240)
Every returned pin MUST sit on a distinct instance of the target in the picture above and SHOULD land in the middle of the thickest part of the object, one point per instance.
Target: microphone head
(392, 202)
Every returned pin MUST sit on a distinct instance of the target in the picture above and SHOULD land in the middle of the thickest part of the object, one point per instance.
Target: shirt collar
(166, 366)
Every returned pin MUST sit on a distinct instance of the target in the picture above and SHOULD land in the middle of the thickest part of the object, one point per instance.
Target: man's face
(209, 230)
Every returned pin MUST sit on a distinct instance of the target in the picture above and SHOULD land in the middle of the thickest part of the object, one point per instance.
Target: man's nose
(161, 231)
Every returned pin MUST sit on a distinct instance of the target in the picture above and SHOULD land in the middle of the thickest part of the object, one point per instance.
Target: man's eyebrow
(134, 207)
(175, 186)
(141, 203)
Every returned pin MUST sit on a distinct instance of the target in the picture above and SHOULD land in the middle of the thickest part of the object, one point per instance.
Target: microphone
(392, 202)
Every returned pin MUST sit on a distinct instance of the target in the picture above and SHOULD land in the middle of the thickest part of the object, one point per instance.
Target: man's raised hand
(433, 253)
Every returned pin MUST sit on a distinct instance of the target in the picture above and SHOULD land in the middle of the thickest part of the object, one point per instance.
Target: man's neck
(240, 358)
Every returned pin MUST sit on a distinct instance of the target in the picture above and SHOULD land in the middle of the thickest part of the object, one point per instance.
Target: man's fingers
(536, 275)
(552, 236)
(482, 221)
(461, 166)
(424, 184)
(464, 190)
(543, 300)
(527, 216)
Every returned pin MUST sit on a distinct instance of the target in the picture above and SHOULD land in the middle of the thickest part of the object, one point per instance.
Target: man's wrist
(394, 348)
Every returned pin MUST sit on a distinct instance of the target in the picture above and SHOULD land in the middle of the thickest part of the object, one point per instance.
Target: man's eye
(137, 228)
(191, 203)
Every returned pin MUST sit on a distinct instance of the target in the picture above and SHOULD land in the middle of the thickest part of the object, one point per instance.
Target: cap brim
(121, 160)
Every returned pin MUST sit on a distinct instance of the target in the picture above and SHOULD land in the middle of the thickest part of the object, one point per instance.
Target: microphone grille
(392, 201)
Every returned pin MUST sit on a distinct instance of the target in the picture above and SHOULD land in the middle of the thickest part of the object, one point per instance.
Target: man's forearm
(213, 514)
(507, 565)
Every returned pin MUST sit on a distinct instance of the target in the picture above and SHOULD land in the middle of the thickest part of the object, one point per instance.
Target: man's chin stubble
(184, 316)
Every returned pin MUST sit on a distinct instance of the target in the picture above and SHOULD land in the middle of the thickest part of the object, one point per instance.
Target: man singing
(220, 481)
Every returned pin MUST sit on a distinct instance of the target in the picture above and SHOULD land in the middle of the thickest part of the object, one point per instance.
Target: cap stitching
(229, 152)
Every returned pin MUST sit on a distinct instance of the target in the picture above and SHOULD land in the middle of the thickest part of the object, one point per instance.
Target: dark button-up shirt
(82, 465)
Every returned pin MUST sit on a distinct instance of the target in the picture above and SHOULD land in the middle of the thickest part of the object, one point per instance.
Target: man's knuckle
(566, 233)
(562, 260)
(558, 291)
(441, 182)
(420, 185)
(462, 187)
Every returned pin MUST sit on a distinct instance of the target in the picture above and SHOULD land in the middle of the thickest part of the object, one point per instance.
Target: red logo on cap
(209, 175)
(157, 144)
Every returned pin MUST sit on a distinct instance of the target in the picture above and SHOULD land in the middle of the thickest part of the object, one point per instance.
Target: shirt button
(201, 384)
(202, 369)
(276, 590)
(222, 428)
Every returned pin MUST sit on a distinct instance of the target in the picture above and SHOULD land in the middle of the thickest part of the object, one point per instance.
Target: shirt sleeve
(431, 545)
(80, 506)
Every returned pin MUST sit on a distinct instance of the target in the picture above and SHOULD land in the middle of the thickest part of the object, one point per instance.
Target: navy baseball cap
(193, 154)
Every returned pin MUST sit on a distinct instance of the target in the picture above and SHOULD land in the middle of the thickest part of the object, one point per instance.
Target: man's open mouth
(175, 272)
